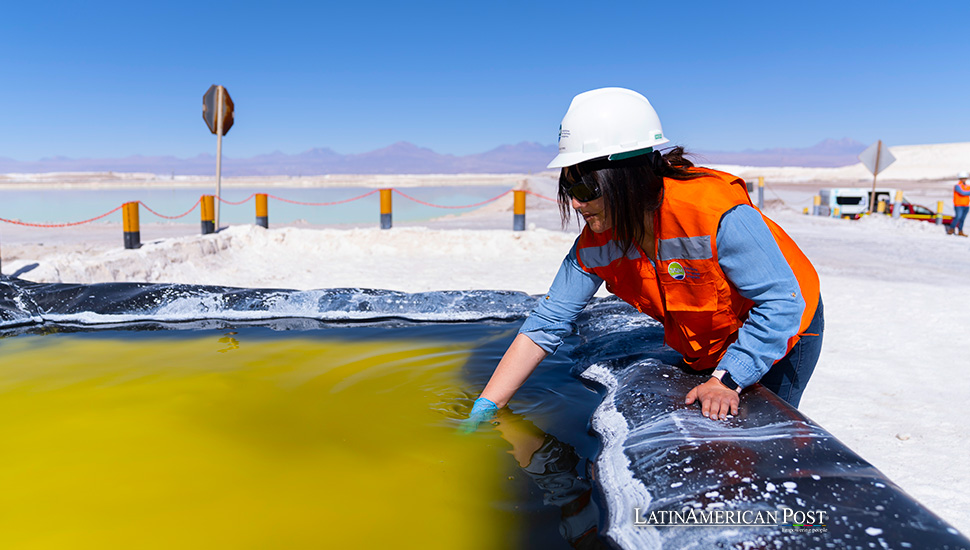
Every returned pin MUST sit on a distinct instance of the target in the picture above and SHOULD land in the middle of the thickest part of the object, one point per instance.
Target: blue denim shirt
(752, 262)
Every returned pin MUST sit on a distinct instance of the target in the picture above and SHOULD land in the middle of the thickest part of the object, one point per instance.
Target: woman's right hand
(482, 411)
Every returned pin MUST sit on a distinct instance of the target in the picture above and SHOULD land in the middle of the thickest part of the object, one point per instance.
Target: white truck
(851, 202)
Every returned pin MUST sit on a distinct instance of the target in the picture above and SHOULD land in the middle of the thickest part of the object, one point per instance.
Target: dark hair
(630, 187)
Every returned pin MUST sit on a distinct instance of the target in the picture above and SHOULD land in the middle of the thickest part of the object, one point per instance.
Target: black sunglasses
(582, 191)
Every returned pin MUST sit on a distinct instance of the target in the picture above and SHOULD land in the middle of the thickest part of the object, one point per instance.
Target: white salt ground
(892, 382)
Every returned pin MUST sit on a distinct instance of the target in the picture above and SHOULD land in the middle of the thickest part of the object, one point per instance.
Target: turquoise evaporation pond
(306, 436)
(74, 205)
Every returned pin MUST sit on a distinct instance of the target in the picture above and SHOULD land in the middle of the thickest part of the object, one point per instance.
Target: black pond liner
(658, 455)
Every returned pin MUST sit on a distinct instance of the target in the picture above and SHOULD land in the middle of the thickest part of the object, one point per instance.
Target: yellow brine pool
(252, 438)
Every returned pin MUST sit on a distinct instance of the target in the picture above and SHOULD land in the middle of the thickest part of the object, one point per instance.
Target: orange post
(518, 210)
(129, 222)
(208, 214)
(262, 211)
(385, 208)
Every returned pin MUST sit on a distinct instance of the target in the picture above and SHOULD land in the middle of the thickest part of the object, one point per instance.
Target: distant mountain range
(830, 153)
(406, 158)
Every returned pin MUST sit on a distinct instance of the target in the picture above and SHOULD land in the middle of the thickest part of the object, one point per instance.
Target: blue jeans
(789, 376)
(959, 216)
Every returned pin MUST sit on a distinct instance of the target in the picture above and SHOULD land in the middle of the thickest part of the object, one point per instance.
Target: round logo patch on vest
(676, 271)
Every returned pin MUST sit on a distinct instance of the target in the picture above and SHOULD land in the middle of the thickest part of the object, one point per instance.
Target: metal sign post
(217, 111)
(876, 158)
(872, 196)
(220, 91)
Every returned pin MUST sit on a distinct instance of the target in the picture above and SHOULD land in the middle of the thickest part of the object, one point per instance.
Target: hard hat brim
(570, 159)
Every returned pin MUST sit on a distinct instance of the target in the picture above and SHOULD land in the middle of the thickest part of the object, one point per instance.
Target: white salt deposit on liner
(179, 303)
(623, 492)
(33, 319)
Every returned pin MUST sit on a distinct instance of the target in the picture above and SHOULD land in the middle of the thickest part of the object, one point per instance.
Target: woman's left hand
(717, 400)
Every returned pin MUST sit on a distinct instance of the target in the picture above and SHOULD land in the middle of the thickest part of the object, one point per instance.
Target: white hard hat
(605, 122)
(963, 176)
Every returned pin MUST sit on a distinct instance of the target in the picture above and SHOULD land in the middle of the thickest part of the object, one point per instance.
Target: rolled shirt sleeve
(554, 316)
(750, 258)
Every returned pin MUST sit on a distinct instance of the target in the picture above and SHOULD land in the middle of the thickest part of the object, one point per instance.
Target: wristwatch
(725, 378)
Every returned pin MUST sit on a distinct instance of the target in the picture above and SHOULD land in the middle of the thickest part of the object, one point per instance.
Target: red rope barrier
(541, 196)
(172, 217)
(323, 203)
(189, 211)
(71, 224)
(222, 200)
(443, 206)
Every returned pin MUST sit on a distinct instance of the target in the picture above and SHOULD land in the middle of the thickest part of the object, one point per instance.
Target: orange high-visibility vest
(700, 309)
(958, 199)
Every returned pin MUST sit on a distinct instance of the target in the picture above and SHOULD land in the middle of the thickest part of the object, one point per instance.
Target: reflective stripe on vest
(686, 289)
(604, 255)
(685, 248)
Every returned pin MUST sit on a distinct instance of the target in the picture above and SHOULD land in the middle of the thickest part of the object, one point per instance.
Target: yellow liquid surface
(220, 442)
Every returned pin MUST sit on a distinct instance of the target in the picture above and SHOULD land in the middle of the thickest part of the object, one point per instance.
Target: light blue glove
(482, 411)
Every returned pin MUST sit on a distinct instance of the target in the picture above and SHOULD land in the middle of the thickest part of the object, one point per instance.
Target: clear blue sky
(112, 79)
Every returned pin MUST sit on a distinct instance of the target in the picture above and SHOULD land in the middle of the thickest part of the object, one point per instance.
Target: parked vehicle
(850, 202)
(912, 211)
(853, 202)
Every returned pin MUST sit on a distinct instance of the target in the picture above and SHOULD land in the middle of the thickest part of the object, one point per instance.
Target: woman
(683, 244)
